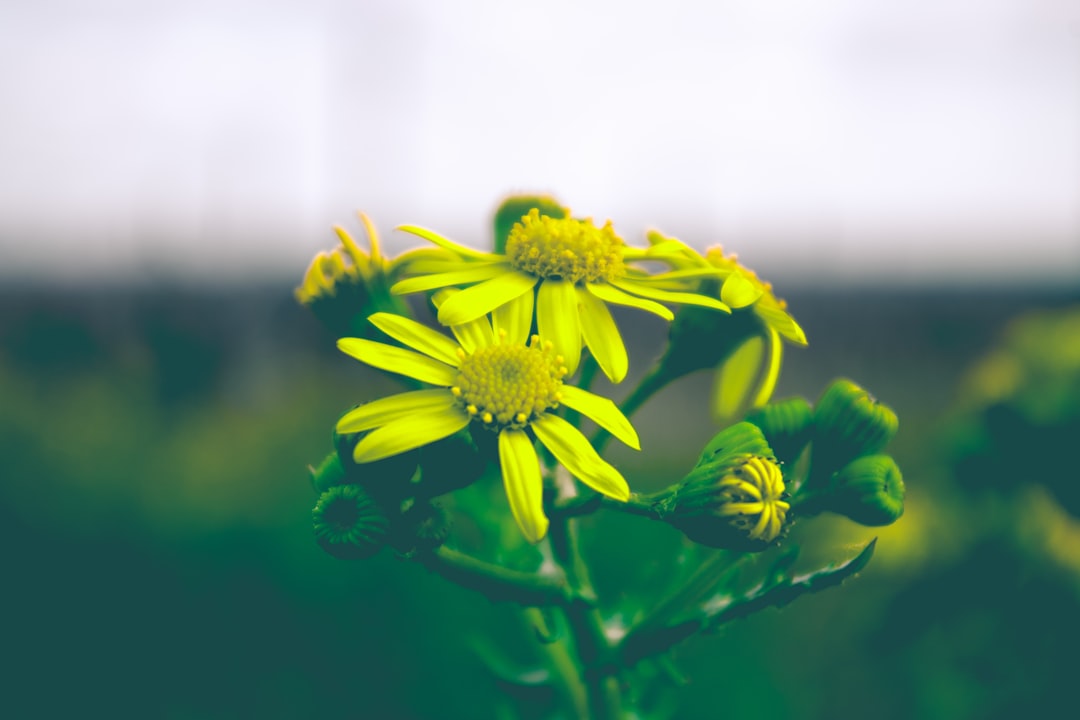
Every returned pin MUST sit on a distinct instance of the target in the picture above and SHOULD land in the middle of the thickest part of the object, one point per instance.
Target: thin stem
(498, 582)
(586, 625)
(649, 386)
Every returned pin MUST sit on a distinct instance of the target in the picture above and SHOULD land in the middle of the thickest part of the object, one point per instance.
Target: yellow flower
(576, 268)
(747, 376)
(500, 384)
(349, 267)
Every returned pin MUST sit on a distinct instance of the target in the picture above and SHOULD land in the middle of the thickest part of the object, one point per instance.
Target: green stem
(497, 582)
(655, 380)
(653, 635)
(564, 669)
(587, 627)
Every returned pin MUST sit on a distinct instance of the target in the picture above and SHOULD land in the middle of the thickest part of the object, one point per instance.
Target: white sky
(872, 140)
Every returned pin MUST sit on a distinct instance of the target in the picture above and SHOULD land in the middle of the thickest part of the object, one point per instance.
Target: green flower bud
(787, 425)
(424, 526)
(869, 490)
(849, 423)
(329, 473)
(349, 524)
(738, 503)
(515, 207)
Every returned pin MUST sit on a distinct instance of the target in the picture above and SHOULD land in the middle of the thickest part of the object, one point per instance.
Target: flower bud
(787, 426)
(869, 490)
(849, 423)
(424, 526)
(737, 503)
(349, 524)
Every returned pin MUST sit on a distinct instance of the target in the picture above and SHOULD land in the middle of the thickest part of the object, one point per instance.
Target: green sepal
(702, 338)
(388, 479)
(740, 439)
(345, 313)
(515, 207)
(455, 462)
(787, 425)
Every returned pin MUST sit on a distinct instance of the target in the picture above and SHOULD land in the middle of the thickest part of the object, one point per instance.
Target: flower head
(571, 269)
(738, 503)
(485, 381)
(746, 347)
(345, 285)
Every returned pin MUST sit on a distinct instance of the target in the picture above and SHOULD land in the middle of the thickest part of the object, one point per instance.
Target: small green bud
(424, 526)
(349, 524)
(329, 473)
(738, 503)
(869, 490)
(849, 423)
(787, 425)
(515, 207)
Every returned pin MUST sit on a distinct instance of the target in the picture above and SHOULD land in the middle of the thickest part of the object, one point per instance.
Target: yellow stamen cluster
(510, 385)
(565, 248)
(751, 495)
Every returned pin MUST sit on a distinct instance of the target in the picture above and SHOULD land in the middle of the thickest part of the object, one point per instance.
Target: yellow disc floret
(565, 248)
(506, 385)
(750, 495)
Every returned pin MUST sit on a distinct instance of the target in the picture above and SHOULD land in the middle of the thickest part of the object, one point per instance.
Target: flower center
(510, 385)
(565, 248)
(751, 497)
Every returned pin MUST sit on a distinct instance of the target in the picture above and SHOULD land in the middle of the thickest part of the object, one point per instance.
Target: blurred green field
(155, 520)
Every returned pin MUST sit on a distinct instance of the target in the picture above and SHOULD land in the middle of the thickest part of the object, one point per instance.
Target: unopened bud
(349, 524)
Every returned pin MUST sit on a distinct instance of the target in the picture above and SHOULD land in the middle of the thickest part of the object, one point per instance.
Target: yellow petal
(398, 360)
(684, 298)
(611, 294)
(602, 336)
(557, 319)
(602, 411)
(419, 337)
(738, 292)
(472, 335)
(515, 317)
(573, 450)
(389, 409)
(774, 356)
(524, 484)
(409, 432)
(776, 317)
(747, 377)
(450, 245)
(481, 299)
(471, 274)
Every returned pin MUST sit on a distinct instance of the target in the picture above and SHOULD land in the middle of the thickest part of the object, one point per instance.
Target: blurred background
(906, 174)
